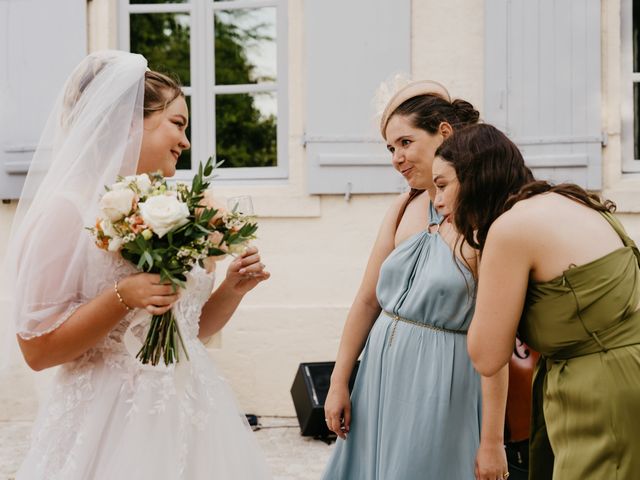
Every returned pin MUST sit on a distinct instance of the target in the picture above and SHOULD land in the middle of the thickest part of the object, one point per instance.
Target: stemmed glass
(243, 205)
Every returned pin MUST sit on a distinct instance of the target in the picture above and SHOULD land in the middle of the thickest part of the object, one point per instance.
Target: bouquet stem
(161, 341)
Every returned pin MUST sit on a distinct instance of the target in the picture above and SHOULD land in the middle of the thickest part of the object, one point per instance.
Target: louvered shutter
(41, 42)
(350, 48)
(542, 84)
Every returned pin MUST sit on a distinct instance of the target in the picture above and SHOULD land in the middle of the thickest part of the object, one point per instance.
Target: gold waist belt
(397, 318)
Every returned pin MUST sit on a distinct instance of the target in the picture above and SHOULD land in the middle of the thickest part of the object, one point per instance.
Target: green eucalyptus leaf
(148, 259)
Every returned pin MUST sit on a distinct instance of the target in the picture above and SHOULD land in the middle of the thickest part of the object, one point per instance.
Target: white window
(630, 110)
(231, 58)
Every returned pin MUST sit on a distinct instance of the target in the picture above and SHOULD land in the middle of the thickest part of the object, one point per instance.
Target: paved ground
(290, 456)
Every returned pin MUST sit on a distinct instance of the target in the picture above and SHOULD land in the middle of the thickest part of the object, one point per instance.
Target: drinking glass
(241, 204)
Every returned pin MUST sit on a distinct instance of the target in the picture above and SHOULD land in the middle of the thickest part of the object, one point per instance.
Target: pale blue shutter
(40, 43)
(542, 84)
(350, 48)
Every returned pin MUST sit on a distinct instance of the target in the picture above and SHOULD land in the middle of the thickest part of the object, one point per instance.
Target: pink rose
(209, 202)
(210, 262)
(216, 238)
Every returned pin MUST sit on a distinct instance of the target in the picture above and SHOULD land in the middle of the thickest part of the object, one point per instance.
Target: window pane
(184, 161)
(245, 46)
(635, 32)
(163, 38)
(246, 127)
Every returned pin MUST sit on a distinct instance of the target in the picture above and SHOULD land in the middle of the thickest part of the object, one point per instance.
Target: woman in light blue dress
(418, 408)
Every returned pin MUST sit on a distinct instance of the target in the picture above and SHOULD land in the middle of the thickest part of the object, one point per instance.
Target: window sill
(270, 198)
(625, 193)
(290, 205)
(303, 206)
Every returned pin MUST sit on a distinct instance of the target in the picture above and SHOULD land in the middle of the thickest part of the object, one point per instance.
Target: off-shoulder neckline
(583, 266)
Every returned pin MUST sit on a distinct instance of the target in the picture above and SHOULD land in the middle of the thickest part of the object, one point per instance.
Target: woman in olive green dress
(559, 269)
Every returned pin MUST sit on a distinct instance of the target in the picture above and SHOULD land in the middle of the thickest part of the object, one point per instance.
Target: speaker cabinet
(309, 391)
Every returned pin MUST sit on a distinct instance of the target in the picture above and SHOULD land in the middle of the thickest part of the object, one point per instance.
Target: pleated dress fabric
(416, 402)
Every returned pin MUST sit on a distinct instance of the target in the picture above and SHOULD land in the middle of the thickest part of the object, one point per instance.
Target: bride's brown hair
(493, 177)
(159, 91)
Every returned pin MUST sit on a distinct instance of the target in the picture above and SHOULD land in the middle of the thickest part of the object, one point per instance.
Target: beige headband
(413, 89)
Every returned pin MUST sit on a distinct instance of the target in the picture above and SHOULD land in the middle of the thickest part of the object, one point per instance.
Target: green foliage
(175, 254)
(163, 39)
(245, 137)
(160, 255)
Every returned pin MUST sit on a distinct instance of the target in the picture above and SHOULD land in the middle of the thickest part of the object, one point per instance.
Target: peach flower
(211, 202)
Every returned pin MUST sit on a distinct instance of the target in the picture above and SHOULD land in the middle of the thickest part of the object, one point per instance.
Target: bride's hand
(246, 271)
(144, 290)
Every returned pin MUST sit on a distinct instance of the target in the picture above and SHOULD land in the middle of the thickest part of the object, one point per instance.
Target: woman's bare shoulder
(399, 202)
(388, 225)
(526, 218)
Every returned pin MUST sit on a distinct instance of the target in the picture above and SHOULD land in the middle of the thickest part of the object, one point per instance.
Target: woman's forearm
(494, 400)
(217, 311)
(354, 336)
(365, 308)
(89, 324)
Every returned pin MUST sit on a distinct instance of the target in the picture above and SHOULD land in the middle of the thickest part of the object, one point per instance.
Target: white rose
(142, 181)
(163, 213)
(120, 186)
(115, 244)
(107, 228)
(117, 204)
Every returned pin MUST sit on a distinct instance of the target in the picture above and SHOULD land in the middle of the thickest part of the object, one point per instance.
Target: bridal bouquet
(167, 229)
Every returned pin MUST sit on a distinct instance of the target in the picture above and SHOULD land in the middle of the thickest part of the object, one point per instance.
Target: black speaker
(309, 391)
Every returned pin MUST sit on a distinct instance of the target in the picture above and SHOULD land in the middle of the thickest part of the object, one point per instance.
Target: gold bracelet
(115, 287)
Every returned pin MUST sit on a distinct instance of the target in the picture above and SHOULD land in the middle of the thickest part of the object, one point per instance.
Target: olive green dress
(586, 390)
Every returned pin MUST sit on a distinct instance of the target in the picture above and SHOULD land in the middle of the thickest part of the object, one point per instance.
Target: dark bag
(518, 412)
(518, 460)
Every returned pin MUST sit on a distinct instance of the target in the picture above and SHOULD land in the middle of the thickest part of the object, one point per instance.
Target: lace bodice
(186, 310)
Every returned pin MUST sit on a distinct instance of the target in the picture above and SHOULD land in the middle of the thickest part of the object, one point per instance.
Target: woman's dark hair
(427, 112)
(493, 177)
(159, 91)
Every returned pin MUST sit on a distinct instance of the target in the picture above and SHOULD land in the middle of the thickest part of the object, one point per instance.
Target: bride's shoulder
(100, 260)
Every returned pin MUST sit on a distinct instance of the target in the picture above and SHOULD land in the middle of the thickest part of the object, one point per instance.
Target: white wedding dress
(110, 418)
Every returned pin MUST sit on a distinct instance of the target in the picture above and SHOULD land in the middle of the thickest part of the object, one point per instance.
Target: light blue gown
(416, 402)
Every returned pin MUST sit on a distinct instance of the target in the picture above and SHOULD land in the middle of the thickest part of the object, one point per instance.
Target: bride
(109, 416)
